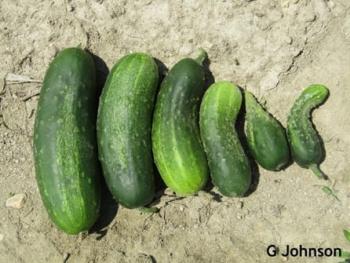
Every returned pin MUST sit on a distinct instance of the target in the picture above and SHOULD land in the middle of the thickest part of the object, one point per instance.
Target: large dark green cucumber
(306, 145)
(266, 137)
(124, 129)
(228, 164)
(65, 150)
(177, 147)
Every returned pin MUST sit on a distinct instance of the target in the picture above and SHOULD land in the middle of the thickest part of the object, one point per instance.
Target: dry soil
(274, 48)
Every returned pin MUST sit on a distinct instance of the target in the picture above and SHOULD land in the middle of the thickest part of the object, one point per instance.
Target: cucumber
(229, 166)
(124, 126)
(267, 140)
(65, 149)
(306, 145)
(177, 148)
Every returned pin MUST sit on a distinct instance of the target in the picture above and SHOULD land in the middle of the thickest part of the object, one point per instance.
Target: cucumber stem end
(317, 171)
(201, 56)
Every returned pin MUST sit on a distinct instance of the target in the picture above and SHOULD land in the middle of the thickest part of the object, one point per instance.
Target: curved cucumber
(306, 145)
(177, 147)
(266, 137)
(229, 166)
(124, 129)
(65, 149)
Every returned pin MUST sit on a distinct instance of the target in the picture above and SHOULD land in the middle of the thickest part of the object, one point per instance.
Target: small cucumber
(266, 137)
(229, 166)
(124, 129)
(65, 150)
(177, 148)
(306, 145)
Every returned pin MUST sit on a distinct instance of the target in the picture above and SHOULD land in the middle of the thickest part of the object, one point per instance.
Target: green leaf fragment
(345, 254)
(329, 191)
(347, 235)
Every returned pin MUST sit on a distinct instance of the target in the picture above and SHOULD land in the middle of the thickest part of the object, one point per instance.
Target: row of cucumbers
(138, 124)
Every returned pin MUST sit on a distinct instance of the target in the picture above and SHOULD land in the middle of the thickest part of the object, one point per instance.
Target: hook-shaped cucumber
(306, 145)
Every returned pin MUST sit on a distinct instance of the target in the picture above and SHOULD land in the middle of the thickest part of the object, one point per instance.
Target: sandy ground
(273, 48)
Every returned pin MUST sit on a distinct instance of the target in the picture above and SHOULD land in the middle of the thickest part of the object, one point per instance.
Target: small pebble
(1, 237)
(331, 4)
(284, 258)
(289, 40)
(16, 201)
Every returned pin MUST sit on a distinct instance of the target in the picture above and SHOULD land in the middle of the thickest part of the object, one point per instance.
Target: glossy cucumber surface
(306, 145)
(65, 150)
(229, 166)
(266, 137)
(177, 147)
(124, 129)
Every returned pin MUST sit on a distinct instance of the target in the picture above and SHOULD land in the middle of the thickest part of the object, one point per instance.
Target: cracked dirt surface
(273, 48)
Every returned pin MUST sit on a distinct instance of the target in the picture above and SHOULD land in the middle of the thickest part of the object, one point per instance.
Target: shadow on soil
(102, 72)
(109, 207)
(108, 211)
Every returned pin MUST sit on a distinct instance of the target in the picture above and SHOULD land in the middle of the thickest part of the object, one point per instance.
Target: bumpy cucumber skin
(65, 149)
(306, 145)
(124, 129)
(229, 166)
(177, 147)
(266, 137)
